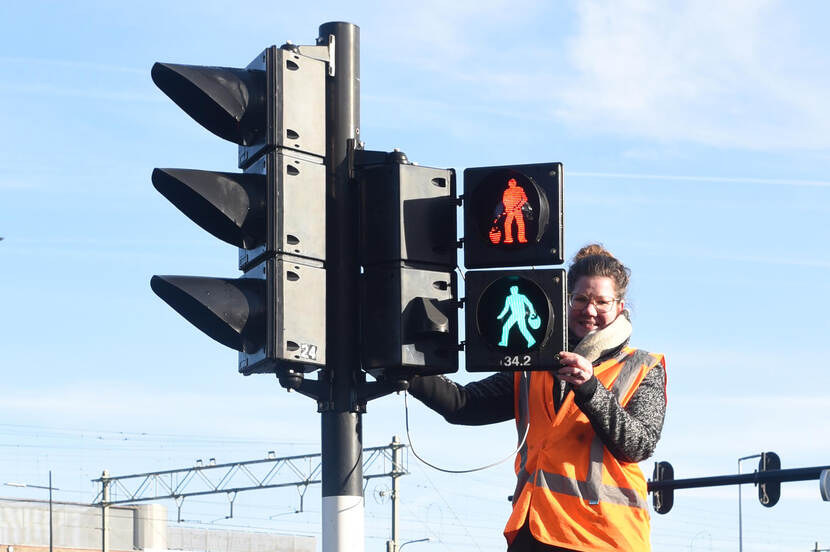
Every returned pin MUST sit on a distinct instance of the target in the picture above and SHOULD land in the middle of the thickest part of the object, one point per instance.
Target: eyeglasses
(580, 302)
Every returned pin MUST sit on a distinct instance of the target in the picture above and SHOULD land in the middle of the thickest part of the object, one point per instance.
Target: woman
(584, 425)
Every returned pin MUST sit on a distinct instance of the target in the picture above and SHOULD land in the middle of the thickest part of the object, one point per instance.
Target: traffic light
(408, 251)
(770, 491)
(273, 211)
(408, 212)
(410, 322)
(514, 319)
(662, 499)
(513, 216)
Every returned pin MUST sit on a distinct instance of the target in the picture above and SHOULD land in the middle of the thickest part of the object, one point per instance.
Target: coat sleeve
(629, 433)
(478, 403)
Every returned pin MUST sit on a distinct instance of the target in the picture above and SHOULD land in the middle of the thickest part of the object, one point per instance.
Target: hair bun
(592, 249)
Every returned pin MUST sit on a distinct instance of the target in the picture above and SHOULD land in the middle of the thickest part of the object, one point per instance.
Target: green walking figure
(515, 303)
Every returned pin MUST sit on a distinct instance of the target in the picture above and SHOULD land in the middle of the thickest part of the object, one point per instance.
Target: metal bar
(229, 475)
(188, 477)
(304, 478)
(740, 500)
(250, 474)
(794, 474)
(214, 467)
(272, 472)
(143, 484)
(172, 495)
(202, 493)
(293, 467)
(105, 498)
(50, 514)
(395, 462)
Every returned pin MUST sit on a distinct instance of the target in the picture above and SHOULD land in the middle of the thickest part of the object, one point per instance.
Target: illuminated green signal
(513, 314)
(514, 319)
(521, 311)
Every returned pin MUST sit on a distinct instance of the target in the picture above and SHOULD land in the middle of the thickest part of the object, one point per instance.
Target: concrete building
(24, 527)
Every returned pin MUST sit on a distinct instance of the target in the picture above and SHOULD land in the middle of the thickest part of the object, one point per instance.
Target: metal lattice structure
(234, 477)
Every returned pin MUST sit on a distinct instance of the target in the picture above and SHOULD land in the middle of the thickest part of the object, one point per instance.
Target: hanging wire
(445, 470)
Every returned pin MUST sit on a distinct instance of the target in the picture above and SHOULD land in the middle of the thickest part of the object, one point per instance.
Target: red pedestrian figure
(513, 199)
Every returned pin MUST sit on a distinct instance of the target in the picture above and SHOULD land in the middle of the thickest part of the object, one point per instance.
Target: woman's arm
(478, 403)
(630, 433)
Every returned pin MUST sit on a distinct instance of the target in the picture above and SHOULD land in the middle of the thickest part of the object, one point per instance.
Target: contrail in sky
(734, 180)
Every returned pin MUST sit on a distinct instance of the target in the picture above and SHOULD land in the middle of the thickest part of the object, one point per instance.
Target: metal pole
(50, 512)
(782, 476)
(740, 516)
(341, 429)
(105, 496)
(392, 546)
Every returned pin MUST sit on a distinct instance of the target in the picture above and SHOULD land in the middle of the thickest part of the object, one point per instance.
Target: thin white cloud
(436, 33)
(159, 410)
(29, 62)
(58, 78)
(9, 183)
(695, 178)
(48, 90)
(475, 51)
(736, 74)
(707, 254)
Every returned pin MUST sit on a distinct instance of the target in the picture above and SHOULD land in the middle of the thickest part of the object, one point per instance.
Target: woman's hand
(576, 369)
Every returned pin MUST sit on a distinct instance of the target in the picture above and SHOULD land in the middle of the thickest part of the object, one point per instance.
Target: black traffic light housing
(273, 207)
(513, 215)
(769, 491)
(515, 319)
(663, 499)
(242, 313)
(408, 250)
(408, 213)
(273, 102)
(410, 322)
(274, 211)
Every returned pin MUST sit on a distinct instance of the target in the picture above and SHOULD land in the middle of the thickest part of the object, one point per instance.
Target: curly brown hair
(595, 260)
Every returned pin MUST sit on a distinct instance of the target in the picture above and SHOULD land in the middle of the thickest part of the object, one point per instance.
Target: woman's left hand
(576, 369)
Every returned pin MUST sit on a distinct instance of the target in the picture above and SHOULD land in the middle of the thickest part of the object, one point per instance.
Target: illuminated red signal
(512, 203)
(513, 215)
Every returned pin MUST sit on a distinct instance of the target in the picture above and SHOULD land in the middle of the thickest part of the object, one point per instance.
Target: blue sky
(695, 138)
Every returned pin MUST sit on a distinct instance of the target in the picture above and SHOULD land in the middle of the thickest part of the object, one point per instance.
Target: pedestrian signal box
(514, 319)
(513, 215)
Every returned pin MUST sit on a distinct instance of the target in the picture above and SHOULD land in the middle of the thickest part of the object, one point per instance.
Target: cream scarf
(600, 342)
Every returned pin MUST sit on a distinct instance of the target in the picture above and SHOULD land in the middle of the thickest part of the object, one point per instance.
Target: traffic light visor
(229, 102)
(231, 311)
(231, 206)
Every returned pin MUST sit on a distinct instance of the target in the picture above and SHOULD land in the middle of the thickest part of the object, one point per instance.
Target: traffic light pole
(663, 485)
(341, 427)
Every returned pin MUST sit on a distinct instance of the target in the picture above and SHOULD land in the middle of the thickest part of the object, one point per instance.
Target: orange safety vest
(571, 491)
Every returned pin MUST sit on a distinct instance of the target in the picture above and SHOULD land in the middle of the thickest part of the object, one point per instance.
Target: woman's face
(589, 293)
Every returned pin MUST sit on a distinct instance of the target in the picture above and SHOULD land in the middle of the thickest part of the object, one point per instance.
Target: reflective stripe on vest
(521, 474)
